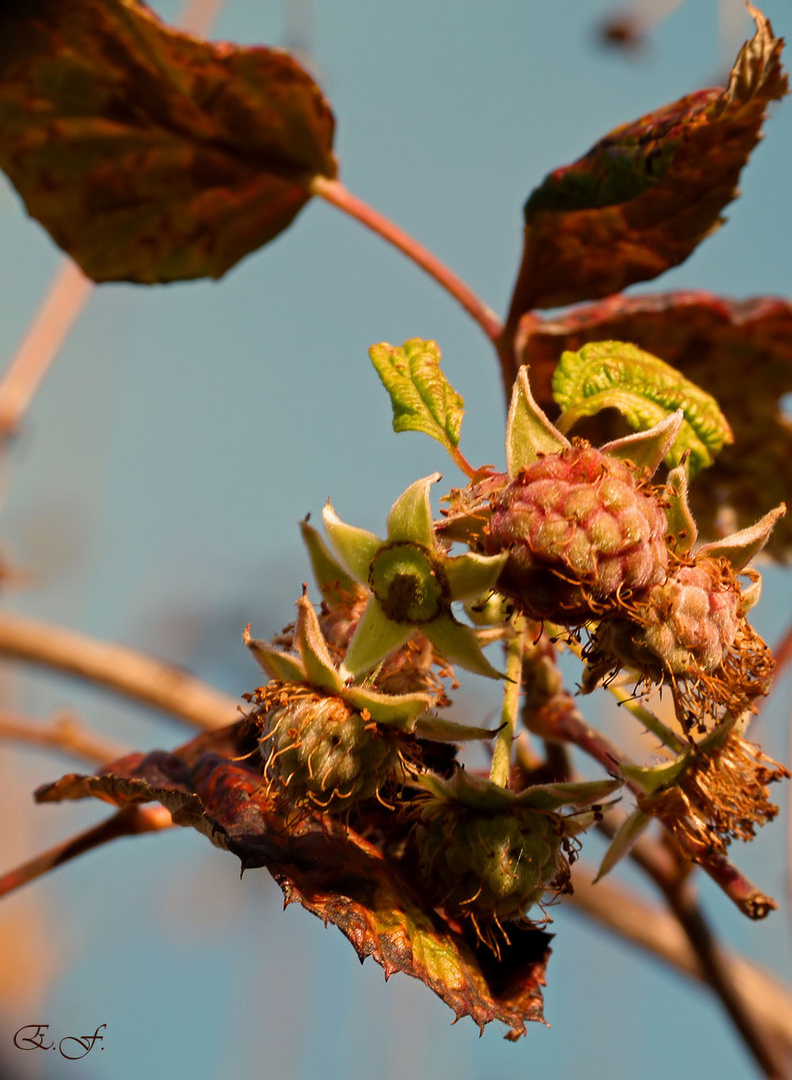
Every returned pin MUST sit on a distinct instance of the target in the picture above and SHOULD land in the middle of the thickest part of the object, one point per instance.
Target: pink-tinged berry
(689, 622)
(689, 630)
(318, 751)
(580, 532)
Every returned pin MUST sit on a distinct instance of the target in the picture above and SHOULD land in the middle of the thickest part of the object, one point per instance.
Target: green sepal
(410, 517)
(554, 796)
(355, 546)
(480, 794)
(529, 432)
(621, 844)
(458, 643)
(278, 665)
(421, 397)
(320, 670)
(433, 727)
(682, 528)
(472, 574)
(491, 610)
(646, 449)
(394, 710)
(472, 791)
(739, 548)
(618, 375)
(651, 778)
(330, 576)
(375, 638)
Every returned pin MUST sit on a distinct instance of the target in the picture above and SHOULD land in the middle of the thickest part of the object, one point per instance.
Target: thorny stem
(333, 191)
(566, 723)
(742, 892)
(123, 670)
(502, 753)
(569, 726)
(64, 733)
(131, 821)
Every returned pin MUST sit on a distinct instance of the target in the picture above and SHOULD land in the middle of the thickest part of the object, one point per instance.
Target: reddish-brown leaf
(150, 155)
(329, 868)
(738, 351)
(644, 196)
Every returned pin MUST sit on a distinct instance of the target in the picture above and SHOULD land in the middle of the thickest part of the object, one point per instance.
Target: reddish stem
(333, 191)
(131, 821)
(750, 900)
(51, 325)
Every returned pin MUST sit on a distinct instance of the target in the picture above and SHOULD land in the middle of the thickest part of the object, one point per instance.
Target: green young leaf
(648, 193)
(421, 396)
(616, 375)
(147, 154)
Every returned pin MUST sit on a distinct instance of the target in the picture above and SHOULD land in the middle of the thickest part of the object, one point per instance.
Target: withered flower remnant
(329, 744)
(691, 630)
(714, 792)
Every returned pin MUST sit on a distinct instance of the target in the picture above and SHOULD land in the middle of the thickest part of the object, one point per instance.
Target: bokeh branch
(125, 671)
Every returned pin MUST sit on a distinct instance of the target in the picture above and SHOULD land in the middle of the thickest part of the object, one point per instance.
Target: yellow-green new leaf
(617, 375)
(421, 396)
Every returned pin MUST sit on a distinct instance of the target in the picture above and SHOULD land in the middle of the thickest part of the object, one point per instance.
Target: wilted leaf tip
(758, 65)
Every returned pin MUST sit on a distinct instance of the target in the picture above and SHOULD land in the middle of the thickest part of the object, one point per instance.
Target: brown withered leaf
(150, 155)
(329, 868)
(645, 195)
(738, 351)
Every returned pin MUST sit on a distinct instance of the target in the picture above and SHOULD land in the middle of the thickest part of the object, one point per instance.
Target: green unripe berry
(491, 866)
(317, 750)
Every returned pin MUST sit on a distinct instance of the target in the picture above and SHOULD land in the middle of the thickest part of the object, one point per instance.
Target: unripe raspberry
(685, 626)
(691, 619)
(490, 866)
(579, 531)
(317, 750)
(691, 632)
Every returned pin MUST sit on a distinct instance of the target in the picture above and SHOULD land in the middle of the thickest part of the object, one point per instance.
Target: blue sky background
(154, 495)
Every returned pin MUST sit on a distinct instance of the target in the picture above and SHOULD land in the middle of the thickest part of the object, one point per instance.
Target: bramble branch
(64, 732)
(333, 191)
(131, 821)
(652, 928)
(125, 671)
